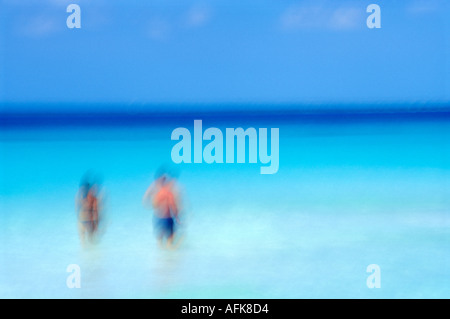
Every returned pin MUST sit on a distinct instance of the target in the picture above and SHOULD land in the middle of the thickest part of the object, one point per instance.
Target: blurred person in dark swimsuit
(87, 204)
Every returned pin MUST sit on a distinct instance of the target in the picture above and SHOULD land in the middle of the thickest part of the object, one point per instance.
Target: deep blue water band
(12, 119)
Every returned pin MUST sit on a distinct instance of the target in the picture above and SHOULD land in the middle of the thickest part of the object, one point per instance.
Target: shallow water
(346, 195)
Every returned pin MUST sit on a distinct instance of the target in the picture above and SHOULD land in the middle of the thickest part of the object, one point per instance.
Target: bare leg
(93, 231)
(160, 241)
(170, 241)
(81, 231)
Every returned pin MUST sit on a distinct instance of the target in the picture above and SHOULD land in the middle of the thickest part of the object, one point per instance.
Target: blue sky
(216, 52)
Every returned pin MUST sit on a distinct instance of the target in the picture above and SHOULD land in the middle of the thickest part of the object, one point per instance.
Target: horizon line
(142, 117)
(219, 107)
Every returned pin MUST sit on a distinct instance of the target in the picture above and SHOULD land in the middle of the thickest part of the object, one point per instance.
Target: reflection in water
(93, 272)
(166, 271)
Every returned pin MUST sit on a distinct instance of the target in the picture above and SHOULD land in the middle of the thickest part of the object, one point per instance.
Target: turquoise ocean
(351, 191)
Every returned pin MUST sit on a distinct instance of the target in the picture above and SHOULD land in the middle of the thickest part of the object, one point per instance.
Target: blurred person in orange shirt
(164, 198)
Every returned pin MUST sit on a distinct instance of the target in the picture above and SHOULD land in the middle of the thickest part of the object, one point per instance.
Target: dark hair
(84, 189)
(86, 183)
(161, 172)
(169, 172)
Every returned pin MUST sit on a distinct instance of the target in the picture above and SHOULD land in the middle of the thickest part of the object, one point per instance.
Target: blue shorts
(164, 226)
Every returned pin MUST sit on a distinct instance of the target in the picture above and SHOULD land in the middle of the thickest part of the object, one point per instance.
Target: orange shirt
(164, 202)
